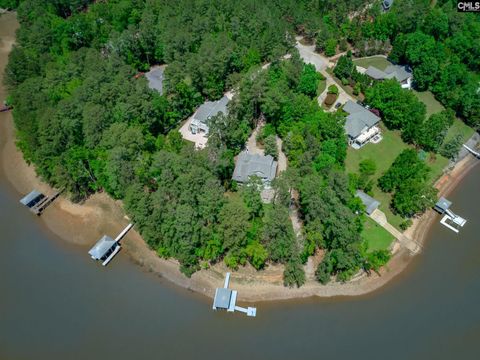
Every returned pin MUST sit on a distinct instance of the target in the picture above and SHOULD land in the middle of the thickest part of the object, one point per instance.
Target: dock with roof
(37, 202)
(106, 248)
(226, 299)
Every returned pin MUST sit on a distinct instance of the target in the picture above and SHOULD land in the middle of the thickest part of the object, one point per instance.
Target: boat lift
(450, 219)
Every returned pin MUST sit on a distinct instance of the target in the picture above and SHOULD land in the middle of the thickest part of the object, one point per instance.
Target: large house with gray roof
(397, 72)
(200, 119)
(360, 124)
(248, 165)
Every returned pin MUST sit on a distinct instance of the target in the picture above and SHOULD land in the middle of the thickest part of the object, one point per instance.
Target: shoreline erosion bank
(83, 224)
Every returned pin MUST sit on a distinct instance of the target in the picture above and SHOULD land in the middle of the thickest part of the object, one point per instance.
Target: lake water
(56, 303)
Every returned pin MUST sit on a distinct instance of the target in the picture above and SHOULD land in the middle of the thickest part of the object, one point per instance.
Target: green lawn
(322, 85)
(433, 106)
(377, 61)
(377, 238)
(383, 153)
(459, 128)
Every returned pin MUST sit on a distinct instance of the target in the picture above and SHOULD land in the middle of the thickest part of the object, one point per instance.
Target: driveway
(321, 63)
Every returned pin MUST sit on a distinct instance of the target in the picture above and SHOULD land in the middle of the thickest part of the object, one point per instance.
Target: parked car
(337, 105)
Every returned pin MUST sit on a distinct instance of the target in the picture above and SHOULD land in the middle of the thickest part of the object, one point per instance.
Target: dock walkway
(380, 218)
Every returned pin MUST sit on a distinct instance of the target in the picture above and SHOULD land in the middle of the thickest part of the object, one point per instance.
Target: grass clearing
(377, 238)
(433, 106)
(459, 128)
(322, 85)
(377, 61)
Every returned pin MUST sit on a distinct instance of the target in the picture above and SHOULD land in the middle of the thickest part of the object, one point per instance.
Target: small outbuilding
(248, 165)
(370, 203)
(387, 4)
(442, 205)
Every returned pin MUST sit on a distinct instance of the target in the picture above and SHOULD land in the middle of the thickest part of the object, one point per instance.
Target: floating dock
(106, 248)
(37, 202)
(450, 220)
(226, 299)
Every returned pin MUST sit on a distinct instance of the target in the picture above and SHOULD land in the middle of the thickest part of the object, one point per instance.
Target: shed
(442, 205)
(387, 4)
(103, 248)
(265, 167)
(370, 203)
(33, 198)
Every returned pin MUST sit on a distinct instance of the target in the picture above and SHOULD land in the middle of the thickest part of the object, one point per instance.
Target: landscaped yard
(377, 61)
(384, 153)
(322, 85)
(377, 238)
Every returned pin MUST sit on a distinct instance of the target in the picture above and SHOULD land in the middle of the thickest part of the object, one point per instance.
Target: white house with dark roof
(360, 124)
(265, 167)
(207, 110)
(400, 73)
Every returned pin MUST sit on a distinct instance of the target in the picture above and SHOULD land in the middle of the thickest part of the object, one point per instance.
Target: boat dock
(226, 299)
(450, 220)
(106, 248)
(37, 202)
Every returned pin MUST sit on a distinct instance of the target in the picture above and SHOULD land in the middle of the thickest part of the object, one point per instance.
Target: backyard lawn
(377, 61)
(384, 153)
(433, 106)
(377, 238)
(322, 85)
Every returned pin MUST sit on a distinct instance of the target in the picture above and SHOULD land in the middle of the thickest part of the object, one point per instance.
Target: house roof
(222, 298)
(443, 203)
(211, 108)
(359, 119)
(400, 73)
(155, 78)
(101, 247)
(33, 195)
(248, 165)
(370, 203)
(387, 3)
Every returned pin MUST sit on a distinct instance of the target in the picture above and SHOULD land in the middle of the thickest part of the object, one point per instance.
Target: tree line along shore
(90, 124)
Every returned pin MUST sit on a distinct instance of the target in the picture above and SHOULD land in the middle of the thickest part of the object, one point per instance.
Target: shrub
(333, 89)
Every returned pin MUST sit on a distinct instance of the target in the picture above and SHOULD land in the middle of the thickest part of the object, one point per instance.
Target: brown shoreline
(84, 224)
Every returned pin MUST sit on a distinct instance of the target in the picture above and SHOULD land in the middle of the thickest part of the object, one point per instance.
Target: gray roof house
(205, 112)
(265, 167)
(397, 72)
(155, 78)
(370, 203)
(360, 124)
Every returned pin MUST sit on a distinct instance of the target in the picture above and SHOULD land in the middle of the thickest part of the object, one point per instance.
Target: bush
(331, 47)
(333, 89)
(404, 225)
(367, 167)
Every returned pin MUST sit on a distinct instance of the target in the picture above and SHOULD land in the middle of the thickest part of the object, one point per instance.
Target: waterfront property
(37, 202)
(106, 248)
(450, 219)
(370, 203)
(248, 165)
(361, 125)
(400, 73)
(226, 299)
